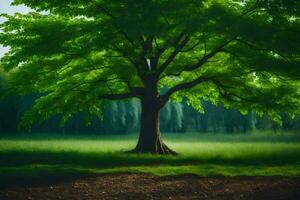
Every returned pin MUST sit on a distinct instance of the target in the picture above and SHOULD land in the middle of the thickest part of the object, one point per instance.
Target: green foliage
(78, 54)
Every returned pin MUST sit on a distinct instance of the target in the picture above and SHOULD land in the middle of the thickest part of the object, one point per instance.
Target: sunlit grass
(38, 156)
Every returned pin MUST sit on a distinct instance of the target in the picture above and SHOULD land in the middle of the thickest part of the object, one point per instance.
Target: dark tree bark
(150, 139)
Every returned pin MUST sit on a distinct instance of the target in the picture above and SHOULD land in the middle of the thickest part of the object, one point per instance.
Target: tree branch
(206, 57)
(182, 86)
(191, 48)
(122, 32)
(230, 96)
(252, 46)
(118, 96)
(147, 47)
(178, 47)
(132, 61)
(255, 6)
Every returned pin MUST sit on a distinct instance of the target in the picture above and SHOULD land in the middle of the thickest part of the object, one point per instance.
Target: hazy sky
(5, 7)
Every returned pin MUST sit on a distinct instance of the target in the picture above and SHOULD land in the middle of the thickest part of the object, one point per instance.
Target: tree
(172, 118)
(8, 110)
(81, 54)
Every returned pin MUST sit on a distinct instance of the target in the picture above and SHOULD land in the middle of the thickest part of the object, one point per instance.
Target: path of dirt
(144, 187)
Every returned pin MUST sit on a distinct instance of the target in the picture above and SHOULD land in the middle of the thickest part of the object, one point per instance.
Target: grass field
(31, 158)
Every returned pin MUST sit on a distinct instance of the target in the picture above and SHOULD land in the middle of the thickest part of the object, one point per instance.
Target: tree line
(123, 117)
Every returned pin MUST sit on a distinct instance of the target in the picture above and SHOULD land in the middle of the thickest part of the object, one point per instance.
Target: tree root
(161, 149)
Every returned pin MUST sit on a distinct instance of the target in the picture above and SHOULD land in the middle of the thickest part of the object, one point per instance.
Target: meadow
(34, 158)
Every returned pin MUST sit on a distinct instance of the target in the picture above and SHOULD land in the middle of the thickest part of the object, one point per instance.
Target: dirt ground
(144, 187)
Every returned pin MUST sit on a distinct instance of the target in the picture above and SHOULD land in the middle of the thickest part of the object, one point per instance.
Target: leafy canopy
(78, 54)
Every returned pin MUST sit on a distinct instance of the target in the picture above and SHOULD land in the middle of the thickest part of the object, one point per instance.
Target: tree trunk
(149, 138)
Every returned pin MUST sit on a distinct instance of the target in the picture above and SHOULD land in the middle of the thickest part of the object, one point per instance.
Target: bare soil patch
(144, 187)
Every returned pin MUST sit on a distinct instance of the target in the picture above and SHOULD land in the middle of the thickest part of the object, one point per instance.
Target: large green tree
(81, 54)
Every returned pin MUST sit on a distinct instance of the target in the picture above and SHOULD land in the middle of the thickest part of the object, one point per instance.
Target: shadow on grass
(37, 176)
(29, 168)
(115, 159)
(48, 175)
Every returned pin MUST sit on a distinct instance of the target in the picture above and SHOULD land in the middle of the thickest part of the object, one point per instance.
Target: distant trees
(8, 109)
(172, 118)
(121, 117)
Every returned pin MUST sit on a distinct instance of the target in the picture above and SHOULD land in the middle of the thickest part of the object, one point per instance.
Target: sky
(5, 7)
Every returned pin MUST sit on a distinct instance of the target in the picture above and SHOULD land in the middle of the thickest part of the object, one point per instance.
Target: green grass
(31, 158)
